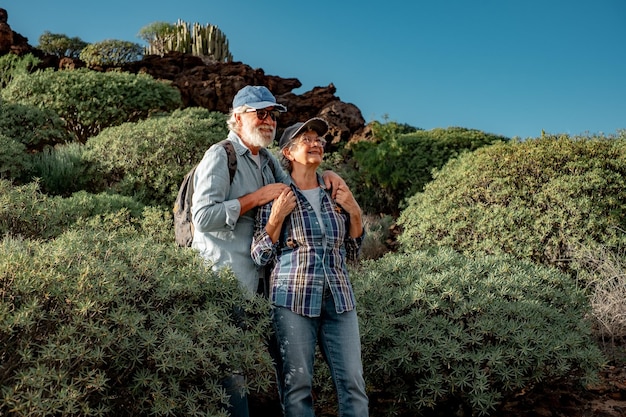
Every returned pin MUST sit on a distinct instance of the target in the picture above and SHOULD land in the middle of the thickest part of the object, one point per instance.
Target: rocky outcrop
(6, 34)
(10, 41)
(213, 85)
(13, 42)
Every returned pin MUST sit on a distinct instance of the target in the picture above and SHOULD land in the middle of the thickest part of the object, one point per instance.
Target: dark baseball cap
(316, 124)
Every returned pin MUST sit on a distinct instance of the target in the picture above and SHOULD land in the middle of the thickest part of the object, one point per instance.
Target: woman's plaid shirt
(301, 261)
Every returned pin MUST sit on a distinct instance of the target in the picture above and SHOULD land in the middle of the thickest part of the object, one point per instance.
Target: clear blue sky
(510, 67)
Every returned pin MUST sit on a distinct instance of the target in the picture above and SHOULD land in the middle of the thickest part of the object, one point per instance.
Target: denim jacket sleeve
(211, 211)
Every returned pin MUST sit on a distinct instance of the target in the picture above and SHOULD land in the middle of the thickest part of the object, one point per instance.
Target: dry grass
(377, 236)
(605, 277)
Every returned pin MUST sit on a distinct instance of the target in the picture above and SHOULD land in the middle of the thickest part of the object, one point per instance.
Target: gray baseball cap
(316, 124)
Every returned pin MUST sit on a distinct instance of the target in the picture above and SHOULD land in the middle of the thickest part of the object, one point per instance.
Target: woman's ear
(287, 153)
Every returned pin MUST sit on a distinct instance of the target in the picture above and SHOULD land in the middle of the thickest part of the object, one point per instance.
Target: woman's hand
(282, 206)
(347, 201)
(333, 181)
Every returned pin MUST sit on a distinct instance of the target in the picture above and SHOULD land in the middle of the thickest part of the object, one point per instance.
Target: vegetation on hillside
(61, 45)
(398, 161)
(205, 41)
(90, 101)
(102, 314)
(537, 200)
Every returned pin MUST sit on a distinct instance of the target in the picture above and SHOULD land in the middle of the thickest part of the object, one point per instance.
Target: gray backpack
(183, 226)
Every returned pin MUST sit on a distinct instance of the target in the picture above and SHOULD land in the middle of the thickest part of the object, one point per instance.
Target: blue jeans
(238, 403)
(340, 344)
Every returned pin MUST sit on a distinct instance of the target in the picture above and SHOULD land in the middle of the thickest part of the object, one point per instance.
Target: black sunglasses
(262, 114)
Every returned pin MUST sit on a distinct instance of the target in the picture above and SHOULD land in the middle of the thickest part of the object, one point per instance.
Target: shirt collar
(320, 181)
(240, 148)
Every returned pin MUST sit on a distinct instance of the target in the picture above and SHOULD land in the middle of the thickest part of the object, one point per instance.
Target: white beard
(260, 136)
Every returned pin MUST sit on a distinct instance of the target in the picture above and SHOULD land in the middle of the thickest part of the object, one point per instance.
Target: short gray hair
(232, 122)
(285, 163)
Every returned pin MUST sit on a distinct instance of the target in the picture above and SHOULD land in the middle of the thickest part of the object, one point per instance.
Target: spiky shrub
(533, 199)
(442, 330)
(604, 272)
(398, 163)
(377, 236)
(61, 169)
(104, 322)
(12, 65)
(148, 159)
(207, 40)
(89, 101)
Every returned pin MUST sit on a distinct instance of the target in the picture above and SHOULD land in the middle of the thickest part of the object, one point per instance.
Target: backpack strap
(273, 167)
(232, 157)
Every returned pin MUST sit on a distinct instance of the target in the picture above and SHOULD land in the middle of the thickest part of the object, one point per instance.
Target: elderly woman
(308, 238)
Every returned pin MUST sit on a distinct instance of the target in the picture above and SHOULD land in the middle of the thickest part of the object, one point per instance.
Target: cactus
(197, 40)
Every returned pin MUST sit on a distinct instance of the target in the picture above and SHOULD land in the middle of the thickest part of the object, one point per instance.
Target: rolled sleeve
(263, 250)
(210, 209)
(232, 209)
(353, 247)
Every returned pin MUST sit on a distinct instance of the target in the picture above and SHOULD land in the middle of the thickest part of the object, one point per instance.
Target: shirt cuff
(232, 209)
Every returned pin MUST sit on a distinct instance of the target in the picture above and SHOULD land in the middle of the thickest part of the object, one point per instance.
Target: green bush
(27, 213)
(110, 52)
(14, 161)
(103, 321)
(395, 167)
(148, 159)
(12, 65)
(534, 200)
(35, 127)
(90, 101)
(157, 223)
(61, 45)
(438, 328)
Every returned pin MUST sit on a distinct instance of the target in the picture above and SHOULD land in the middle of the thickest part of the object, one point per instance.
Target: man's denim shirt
(222, 236)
